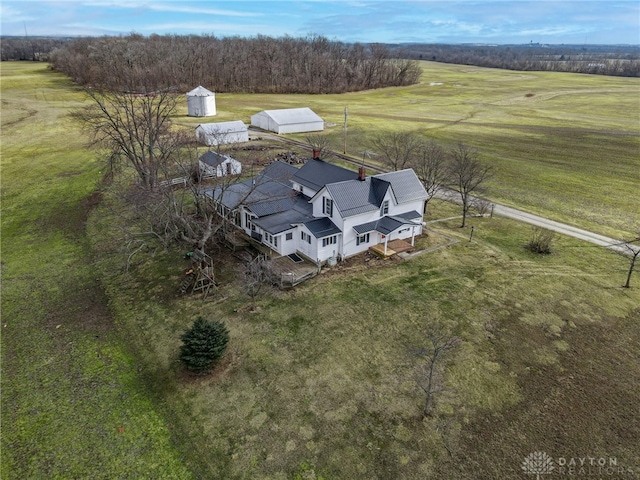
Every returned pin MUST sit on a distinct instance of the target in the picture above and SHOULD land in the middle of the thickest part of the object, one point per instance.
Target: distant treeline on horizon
(311, 64)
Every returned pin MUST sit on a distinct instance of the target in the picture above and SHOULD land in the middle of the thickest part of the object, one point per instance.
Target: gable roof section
(387, 224)
(223, 127)
(200, 91)
(213, 159)
(322, 227)
(405, 185)
(316, 173)
(292, 116)
(300, 211)
(268, 186)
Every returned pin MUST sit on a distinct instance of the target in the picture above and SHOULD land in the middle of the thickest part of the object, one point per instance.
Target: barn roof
(223, 127)
(291, 116)
(200, 91)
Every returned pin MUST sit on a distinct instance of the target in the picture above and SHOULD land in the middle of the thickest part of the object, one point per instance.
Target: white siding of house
(289, 246)
(304, 190)
(349, 245)
(310, 250)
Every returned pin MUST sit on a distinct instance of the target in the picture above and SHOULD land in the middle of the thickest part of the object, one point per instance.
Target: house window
(362, 239)
(305, 237)
(330, 240)
(384, 210)
(248, 223)
(327, 207)
(289, 236)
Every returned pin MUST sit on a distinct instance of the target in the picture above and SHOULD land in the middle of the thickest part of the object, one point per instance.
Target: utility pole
(346, 115)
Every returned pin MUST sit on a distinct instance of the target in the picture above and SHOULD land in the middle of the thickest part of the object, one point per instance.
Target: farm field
(564, 146)
(73, 402)
(318, 382)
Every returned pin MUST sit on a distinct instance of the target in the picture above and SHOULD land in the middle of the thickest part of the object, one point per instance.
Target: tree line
(260, 64)
(618, 60)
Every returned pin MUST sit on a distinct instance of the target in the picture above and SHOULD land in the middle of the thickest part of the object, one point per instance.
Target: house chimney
(362, 174)
(316, 154)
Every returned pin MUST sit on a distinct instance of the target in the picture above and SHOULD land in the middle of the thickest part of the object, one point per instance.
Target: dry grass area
(321, 380)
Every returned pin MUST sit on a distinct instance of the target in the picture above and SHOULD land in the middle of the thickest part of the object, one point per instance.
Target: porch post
(386, 239)
(413, 235)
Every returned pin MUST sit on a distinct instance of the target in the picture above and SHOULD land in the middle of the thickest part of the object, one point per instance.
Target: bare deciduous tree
(135, 129)
(441, 344)
(467, 175)
(397, 149)
(319, 144)
(257, 276)
(430, 165)
(633, 251)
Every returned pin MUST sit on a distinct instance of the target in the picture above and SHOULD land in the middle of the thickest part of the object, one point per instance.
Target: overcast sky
(451, 21)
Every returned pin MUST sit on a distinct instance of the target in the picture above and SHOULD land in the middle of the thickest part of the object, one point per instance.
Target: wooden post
(346, 115)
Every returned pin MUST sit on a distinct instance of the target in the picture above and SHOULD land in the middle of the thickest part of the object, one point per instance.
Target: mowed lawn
(74, 404)
(320, 382)
(565, 146)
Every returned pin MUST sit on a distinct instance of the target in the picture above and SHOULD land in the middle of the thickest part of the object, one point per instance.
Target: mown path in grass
(73, 402)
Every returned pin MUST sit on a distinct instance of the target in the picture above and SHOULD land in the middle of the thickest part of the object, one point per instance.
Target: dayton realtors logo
(539, 463)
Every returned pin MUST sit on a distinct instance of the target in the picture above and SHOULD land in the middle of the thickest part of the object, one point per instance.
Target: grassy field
(319, 382)
(564, 146)
(68, 379)
(322, 379)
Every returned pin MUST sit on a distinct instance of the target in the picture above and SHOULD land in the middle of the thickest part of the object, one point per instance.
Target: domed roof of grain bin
(200, 91)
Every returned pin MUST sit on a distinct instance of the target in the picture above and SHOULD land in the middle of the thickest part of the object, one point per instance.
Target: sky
(396, 21)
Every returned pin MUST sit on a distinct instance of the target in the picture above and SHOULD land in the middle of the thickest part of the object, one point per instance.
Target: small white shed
(222, 133)
(289, 120)
(213, 164)
(201, 102)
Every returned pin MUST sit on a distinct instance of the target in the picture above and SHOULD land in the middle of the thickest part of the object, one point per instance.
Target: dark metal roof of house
(300, 212)
(271, 185)
(322, 227)
(387, 224)
(405, 185)
(316, 173)
(355, 196)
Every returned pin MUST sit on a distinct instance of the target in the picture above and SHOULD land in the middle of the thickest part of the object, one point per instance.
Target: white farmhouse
(213, 164)
(290, 120)
(322, 211)
(222, 133)
(201, 102)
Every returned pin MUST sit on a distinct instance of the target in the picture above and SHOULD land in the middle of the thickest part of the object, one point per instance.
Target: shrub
(541, 240)
(203, 344)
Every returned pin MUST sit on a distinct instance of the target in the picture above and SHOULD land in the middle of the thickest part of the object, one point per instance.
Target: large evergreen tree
(203, 344)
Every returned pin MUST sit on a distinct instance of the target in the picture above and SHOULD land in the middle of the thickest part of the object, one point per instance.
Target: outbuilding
(213, 164)
(222, 133)
(289, 120)
(201, 102)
